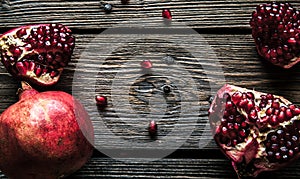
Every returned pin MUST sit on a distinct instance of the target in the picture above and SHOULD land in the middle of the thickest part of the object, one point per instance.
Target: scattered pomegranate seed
(167, 89)
(152, 129)
(166, 13)
(101, 101)
(107, 8)
(146, 64)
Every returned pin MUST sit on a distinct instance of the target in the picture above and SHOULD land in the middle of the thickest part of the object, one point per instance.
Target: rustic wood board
(89, 15)
(223, 25)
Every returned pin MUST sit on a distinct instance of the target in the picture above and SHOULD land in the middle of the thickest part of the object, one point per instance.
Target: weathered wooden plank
(103, 167)
(88, 14)
(237, 59)
(172, 168)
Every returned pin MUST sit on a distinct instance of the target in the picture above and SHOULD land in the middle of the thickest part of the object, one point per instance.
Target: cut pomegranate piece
(37, 53)
(276, 31)
(256, 131)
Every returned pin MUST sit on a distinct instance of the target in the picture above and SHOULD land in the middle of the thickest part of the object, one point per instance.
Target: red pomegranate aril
(269, 111)
(275, 105)
(53, 74)
(166, 13)
(253, 115)
(152, 129)
(243, 103)
(296, 111)
(31, 66)
(289, 113)
(38, 71)
(21, 68)
(237, 96)
(281, 116)
(21, 33)
(101, 101)
(266, 136)
(273, 120)
(269, 97)
(146, 64)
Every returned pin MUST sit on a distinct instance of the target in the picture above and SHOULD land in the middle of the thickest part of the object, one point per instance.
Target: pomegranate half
(45, 135)
(37, 53)
(256, 131)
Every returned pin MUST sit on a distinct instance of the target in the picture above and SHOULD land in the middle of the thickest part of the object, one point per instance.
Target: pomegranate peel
(37, 53)
(256, 131)
(44, 135)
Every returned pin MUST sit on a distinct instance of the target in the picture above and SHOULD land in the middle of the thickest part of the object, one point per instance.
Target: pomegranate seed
(269, 111)
(273, 120)
(281, 116)
(53, 74)
(253, 115)
(166, 13)
(236, 126)
(236, 97)
(31, 66)
(275, 105)
(270, 97)
(107, 8)
(243, 102)
(229, 105)
(250, 95)
(152, 129)
(38, 71)
(243, 124)
(283, 108)
(21, 32)
(167, 89)
(146, 64)
(101, 101)
(242, 133)
(250, 105)
(296, 111)
(289, 113)
(292, 106)
(21, 68)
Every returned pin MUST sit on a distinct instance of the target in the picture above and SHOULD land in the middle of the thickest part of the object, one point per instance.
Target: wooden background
(223, 24)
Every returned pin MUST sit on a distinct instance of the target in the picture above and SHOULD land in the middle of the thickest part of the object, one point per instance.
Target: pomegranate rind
(44, 135)
(248, 157)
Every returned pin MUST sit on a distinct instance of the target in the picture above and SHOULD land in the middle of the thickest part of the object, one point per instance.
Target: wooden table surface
(221, 28)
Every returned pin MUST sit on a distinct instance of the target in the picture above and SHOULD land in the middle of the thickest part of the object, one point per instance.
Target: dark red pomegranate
(45, 135)
(276, 31)
(257, 131)
(37, 53)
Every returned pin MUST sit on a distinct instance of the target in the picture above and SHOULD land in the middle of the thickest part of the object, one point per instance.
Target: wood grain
(89, 15)
(102, 61)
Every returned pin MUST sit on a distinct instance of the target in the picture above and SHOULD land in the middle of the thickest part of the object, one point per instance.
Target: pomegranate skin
(44, 135)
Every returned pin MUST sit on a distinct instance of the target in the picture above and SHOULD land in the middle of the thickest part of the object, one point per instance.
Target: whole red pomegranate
(257, 131)
(45, 135)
